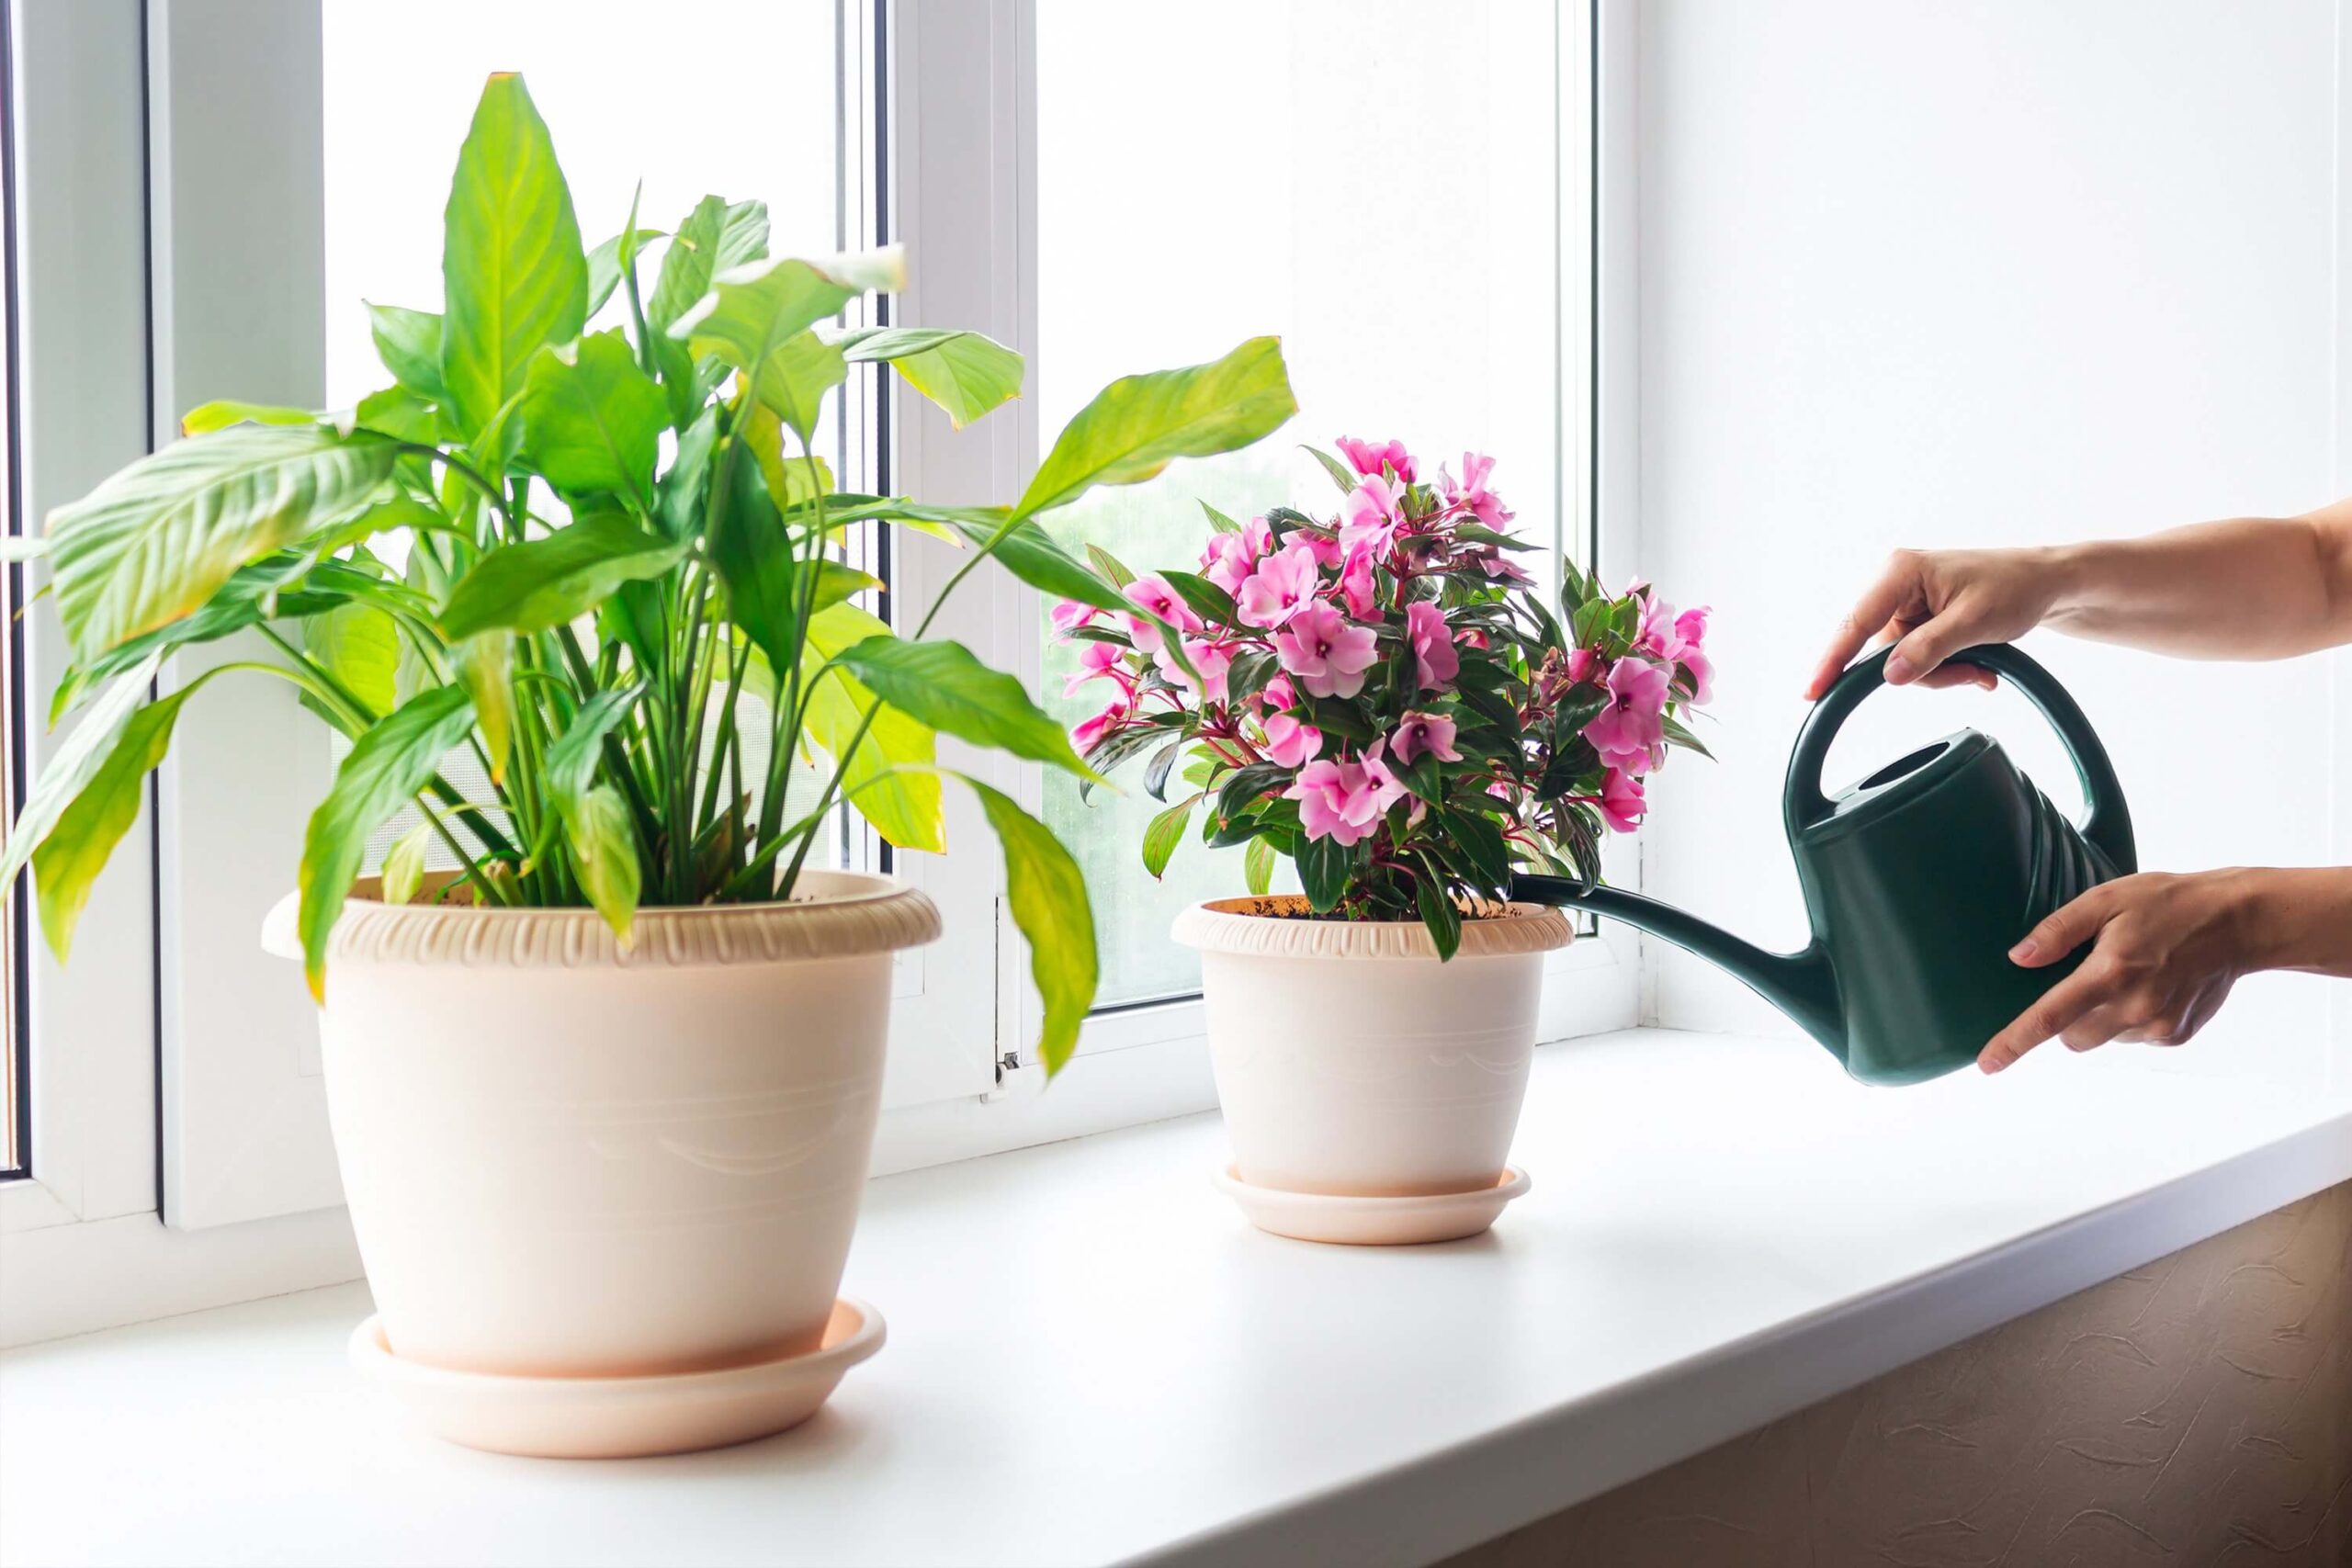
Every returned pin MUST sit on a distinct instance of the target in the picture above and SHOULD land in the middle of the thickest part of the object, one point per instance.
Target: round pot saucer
(1372, 1221)
(622, 1417)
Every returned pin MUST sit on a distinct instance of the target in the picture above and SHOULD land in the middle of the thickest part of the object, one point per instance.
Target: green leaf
(1165, 832)
(605, 264)
(549, 582)
(1341, 475)
(602, 840)
(1679, 734)
(206, 418)
(360, 645)
(1137, 425)
(158, 539)
(1047, 900)
(1324, 867)
(756, 317)
(1030, 554)
(715, 238)
(592, 420)
(1258, 866)
(1439, 913)
(765, 585)
(942, 684)
(680, 494)
(1111, 568)
(1219, 521)
(403, 870)
(409, 342)
(966, 374)
(887, 777)
(1207, 600)
(75, 850)
(388, 764)
(484, 665)
(512, 268)
(400, 413)
(572, 758)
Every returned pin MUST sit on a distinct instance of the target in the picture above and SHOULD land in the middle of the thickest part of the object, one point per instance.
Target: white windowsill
(1092, 1359)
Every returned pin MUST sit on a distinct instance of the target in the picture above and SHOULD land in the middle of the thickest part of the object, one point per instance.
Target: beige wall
(2198, 1410)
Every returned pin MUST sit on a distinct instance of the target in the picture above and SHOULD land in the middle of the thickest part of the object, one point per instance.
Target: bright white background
(1930, 275)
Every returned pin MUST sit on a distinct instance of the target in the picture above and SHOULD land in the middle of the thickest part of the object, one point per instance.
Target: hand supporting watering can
(2157, 952)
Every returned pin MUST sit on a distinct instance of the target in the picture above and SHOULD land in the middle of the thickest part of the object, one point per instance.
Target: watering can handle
(2108, 823)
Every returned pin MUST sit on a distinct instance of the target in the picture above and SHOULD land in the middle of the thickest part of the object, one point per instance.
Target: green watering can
(1918, 880)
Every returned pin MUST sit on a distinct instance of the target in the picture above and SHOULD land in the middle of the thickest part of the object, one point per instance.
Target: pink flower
(1224, 560)
(1581, 663)
(1629, 731)
(1291, 743)
(1424, 732)
(1152, 594)
(1433, 650)
(1372, 517)
(1091, 734)
(1277, 694)
(1496, 564)
(1328, 552)
(1360, 587)
(1095, 660)
(1366, 458)
(1282, 582)
(1070, 615)
(1344, 800)
(1689, 631)
(1325, 652)
(1621, 805)
(1211, 660)
(1472, 493)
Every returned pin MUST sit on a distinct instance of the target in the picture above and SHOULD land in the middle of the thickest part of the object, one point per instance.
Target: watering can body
(1917, 881)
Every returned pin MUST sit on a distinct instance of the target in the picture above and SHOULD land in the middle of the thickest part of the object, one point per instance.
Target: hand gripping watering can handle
(2108, 822)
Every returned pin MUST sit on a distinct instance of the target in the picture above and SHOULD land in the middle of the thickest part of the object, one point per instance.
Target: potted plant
(1382, 699)
(603, 1095)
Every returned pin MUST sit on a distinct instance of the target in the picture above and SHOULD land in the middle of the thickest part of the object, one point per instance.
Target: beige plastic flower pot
(568, 1159)
(1351, 1061)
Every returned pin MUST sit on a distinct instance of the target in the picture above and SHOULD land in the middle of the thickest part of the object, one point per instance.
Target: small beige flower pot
(1350, 1062)
(565, 1159)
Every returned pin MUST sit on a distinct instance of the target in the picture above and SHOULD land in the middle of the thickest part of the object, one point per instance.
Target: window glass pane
(12, 1053)
(730, 97)
(1373, 181)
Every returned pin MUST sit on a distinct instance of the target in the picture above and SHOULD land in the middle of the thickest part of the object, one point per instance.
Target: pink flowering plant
(1381, 696)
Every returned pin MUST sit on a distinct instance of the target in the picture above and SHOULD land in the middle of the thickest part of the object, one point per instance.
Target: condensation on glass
(1377, 184)
(740, 98)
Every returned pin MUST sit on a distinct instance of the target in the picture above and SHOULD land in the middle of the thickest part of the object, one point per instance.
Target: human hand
(2169, 948)
(1932, 604)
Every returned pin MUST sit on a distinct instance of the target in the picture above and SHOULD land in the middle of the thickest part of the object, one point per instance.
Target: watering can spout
(1800, 985)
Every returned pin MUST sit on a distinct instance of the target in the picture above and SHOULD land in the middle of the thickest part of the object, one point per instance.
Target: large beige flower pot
(568, 1159)
(1350, 1062)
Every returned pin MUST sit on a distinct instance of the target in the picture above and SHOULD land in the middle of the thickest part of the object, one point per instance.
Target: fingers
(2068, 929)
(1925, 648)
(2064, 1004)
(1897, 586)
(1958, 675)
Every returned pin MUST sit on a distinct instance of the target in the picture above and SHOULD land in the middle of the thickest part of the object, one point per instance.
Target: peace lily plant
(620, 562)
(604, 1099)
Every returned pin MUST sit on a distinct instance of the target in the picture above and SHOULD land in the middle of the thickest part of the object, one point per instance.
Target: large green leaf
(512, 268)
(1138, 424)
(409, 342)
(754, 315)
(592, 420)
(715, 238)
(1047, 898)
(572, 758)
(966, 374)
(484, 665)
(546, 582)
(360, 645)
(75, 761)
(887, 777)
(206, 418)
(159, 539)
(601, 841)
(766, 587)
(388, 765)
(944, 686)
(79, 846)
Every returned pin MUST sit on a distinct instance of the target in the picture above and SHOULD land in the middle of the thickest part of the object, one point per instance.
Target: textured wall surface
(2198, 1410)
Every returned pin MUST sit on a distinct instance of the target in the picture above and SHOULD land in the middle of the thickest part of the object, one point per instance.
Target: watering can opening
(1917, 881)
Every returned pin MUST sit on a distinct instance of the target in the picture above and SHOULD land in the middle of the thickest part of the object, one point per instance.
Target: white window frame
(122, 134)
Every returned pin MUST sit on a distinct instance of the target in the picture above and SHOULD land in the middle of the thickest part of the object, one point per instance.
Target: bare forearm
(2253, 587)
(2300, 918)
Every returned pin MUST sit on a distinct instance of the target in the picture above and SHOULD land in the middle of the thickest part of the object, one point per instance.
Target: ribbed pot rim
(1267, 926)
(840, 914)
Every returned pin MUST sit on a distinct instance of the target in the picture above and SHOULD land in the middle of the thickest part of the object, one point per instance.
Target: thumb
(2065, 930)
